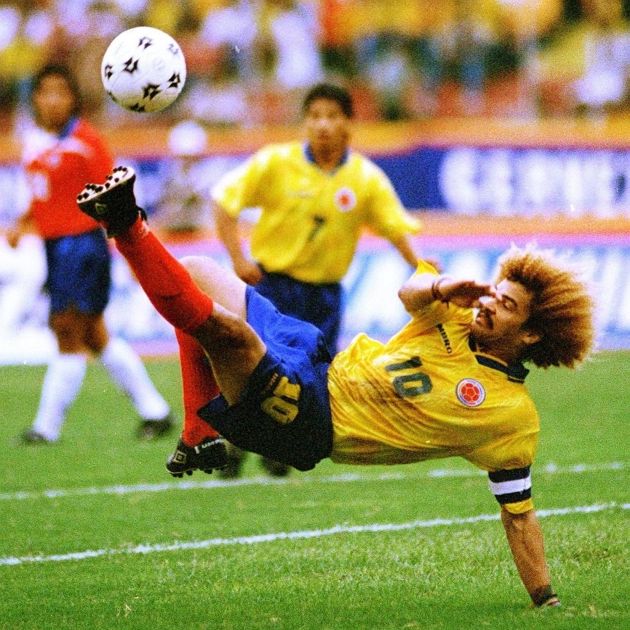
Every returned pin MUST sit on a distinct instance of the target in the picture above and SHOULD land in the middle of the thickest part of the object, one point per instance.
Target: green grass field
(94, 534)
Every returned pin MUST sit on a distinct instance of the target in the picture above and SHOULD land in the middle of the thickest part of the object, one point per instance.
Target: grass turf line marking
(438, 473)
(298, 535)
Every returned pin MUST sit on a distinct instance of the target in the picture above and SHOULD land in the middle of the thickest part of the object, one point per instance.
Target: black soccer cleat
(112, 203)
(234, 464)
(207, 456)
(274, 468)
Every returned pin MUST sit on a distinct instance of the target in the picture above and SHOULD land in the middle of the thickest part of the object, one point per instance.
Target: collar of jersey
(69, 128)
(515, 372)
(308, 154)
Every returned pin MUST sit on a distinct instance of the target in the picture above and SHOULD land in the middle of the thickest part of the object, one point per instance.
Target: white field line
(296, 535)
(395, 475)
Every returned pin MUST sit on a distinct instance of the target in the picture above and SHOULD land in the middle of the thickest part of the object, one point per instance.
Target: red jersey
(57, 168)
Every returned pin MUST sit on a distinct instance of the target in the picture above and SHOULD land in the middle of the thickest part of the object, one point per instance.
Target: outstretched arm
(23, 224)
(228, 232)
(403, 245)
(422, 289)
(526, 542)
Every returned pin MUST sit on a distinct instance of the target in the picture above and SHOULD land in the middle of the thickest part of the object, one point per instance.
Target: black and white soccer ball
(143, 69)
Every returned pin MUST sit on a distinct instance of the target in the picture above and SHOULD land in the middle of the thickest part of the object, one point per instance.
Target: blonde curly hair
(561, 307)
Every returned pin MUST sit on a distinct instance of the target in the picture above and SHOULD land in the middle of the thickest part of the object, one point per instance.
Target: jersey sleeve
(387, 216)
(238, 189)
(424, 266)
(512, 489)
(508, 459)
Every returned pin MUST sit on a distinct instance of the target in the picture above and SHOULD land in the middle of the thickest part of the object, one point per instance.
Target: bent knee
(69, 331)
(217, 281)
(197, 266)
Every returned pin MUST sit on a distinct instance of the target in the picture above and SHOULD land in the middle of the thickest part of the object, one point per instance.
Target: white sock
(62, 383)
(129, 373)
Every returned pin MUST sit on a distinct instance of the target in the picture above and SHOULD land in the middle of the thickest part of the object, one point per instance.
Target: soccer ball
(143, 69)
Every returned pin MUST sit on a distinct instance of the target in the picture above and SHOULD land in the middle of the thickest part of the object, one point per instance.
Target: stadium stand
(403, 60)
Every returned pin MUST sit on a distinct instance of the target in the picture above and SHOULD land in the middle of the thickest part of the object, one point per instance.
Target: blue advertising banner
(513, 181)
(460, 180)
(472, 181)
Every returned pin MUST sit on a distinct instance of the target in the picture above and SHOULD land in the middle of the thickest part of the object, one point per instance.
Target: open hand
(13, 236)
(248, 271)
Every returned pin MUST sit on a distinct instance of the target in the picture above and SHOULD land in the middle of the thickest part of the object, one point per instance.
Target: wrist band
(436, 294)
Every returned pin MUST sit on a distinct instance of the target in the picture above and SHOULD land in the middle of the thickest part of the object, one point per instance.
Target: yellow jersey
(310, 220)
(427, 393)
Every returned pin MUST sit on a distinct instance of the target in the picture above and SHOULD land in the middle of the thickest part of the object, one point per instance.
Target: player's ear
(530, 337)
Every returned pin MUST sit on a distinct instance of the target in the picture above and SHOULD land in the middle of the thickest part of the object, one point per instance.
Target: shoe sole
(92, 192)
(188, 469)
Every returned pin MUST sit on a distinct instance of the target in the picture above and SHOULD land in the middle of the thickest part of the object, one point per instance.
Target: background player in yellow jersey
(315, 197)
(450, 383)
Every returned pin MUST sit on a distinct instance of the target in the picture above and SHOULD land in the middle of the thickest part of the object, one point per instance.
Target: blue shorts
(78, 272)
(319, 304)
(284, 413)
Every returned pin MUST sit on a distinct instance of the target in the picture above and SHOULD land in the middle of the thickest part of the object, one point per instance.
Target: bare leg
(234, 350)
(181, 294)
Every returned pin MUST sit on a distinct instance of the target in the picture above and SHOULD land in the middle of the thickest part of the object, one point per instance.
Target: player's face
(499, 326)
(327, 127)
(54, 102)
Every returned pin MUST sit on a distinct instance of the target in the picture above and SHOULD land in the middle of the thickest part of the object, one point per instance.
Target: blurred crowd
(249, 61)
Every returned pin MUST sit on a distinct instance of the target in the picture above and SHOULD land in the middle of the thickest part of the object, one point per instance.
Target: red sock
(164, 279)
(199, 388)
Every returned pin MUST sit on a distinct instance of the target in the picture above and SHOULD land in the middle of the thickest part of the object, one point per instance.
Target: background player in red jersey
(61, 154)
